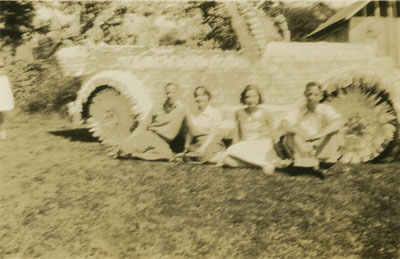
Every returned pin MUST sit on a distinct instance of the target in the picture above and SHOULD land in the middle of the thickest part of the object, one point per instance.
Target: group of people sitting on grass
(259, 138)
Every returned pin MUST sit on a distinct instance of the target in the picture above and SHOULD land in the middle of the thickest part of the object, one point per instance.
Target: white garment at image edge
(6, 96)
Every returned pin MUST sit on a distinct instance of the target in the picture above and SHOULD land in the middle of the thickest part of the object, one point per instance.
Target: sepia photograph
(200, 129)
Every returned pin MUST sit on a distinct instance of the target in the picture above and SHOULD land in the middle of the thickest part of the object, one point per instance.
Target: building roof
(341, 16)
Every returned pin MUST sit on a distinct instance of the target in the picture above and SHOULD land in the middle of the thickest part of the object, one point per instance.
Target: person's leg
(252, 154)
(268, 168)
(212, 154)
(136, 142)
(216, 158)
(234, 162)
(328, 149)
(259, 153)
(160, 151)
(304, 154)
(150, 146)
(226, 159)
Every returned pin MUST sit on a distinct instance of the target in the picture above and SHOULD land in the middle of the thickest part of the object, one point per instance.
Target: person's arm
(334, 126)
(274, 128)
(188, 135)
(334, 120)
(291, 120)
(294, 129)
(168, 125)
(210, 138)
(237, 131)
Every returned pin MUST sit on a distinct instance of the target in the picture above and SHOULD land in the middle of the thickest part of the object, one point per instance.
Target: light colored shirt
(203, 123)
(314, 122)
(254, 126)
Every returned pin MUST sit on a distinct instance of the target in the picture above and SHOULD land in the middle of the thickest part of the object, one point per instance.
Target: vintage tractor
(122, 83)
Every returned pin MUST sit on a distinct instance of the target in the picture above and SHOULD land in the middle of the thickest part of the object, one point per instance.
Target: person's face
(172, 93)
(252, 98)
(313, 95)
(26, 36)
(201, 97)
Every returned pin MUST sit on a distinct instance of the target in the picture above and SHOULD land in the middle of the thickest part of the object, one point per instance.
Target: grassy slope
(62, 197)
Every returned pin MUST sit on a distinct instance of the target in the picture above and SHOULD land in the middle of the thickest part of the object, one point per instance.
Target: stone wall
(281, 73)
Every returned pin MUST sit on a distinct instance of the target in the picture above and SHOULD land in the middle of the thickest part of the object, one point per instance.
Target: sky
(339, 4)
(332, 3)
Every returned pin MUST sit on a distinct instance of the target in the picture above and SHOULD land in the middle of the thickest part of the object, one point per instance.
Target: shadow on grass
(81, 134)
(297, 171)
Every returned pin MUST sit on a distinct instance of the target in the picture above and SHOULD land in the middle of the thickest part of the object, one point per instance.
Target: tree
(246, 25)
(303, 20)
(90, 10)
(219, 21)
(15, 20)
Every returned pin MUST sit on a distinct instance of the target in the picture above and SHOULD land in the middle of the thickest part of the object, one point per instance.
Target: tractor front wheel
(111, 118)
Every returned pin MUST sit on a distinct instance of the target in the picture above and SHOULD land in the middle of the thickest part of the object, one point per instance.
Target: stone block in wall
(319, 50)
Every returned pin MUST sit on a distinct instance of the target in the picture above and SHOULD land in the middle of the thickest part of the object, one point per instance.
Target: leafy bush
(40, 86)
(15, 18)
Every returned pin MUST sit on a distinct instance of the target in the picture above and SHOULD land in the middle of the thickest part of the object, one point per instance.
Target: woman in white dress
(203, 141)
(6, 99)
(254, 137)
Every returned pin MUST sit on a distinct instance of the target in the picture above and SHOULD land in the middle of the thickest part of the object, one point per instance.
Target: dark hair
(311, 84)
(248, 88)
(206, 91)
(172, 84)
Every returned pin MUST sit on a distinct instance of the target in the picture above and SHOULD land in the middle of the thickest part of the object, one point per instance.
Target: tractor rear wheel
(371, 121)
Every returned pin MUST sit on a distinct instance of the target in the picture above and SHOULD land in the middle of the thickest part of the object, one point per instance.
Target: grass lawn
(62, 197)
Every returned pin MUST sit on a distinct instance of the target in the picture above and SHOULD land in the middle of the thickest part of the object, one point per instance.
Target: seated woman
(203, 142)
(253, 141)
(151, 140)
(314, 135)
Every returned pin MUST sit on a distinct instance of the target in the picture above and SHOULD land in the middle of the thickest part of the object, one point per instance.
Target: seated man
(151, 140)
(315, 135)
